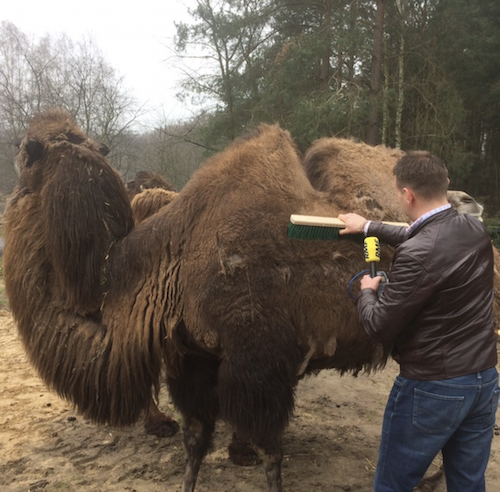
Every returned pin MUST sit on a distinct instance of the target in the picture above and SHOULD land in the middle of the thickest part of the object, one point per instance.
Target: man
(437, 311)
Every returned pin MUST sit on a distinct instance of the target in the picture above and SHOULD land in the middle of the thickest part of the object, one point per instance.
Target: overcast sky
(132, 35)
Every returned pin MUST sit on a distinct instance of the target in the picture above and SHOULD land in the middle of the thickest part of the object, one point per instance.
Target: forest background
(403, 73)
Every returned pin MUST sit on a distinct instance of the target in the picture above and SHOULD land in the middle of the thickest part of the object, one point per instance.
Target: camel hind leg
(194, 394)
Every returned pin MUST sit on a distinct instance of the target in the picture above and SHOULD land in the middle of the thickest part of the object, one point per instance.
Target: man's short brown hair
(423, 173)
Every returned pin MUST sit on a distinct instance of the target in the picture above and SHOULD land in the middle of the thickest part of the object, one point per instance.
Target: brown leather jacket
(437, 308)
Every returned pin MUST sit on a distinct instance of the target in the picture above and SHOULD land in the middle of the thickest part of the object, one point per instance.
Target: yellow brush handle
(372, 249)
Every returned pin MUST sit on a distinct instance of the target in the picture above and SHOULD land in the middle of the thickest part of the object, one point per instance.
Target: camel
(210, 287)
(149, 201)
(359, 177)
(148, 180)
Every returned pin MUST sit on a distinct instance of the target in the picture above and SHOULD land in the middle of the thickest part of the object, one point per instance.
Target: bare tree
(39, 73)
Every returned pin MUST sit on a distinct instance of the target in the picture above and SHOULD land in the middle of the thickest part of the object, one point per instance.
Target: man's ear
(409, 195)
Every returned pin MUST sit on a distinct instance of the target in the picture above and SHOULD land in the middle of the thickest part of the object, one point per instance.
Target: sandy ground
(330, 445)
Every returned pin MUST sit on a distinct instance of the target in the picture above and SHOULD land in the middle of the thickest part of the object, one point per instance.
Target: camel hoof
(242, 454)
(162, 427)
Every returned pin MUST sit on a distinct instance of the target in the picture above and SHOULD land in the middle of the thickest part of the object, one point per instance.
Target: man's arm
(355, 223)
(384, 318)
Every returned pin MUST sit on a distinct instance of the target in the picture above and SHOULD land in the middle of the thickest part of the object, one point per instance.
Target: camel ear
(103, 148)
(34, 150)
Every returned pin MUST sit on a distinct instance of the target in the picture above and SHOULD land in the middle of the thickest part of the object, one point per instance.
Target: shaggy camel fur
(210, 285)
(359, 177)
(144, 204)
(149, 201)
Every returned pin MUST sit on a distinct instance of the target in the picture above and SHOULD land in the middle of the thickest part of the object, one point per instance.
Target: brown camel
(359, 177)
(149, 201)
(210, 285)
(147, 180)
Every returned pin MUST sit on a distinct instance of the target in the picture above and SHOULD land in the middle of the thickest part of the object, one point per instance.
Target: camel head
(463, 203)
(63, 223)
(52, 127)
(146, 180)
(79, 201)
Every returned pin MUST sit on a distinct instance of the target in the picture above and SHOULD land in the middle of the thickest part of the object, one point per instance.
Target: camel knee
(159, 424)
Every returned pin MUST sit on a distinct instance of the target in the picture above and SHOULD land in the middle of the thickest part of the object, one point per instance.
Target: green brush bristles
(319, 233)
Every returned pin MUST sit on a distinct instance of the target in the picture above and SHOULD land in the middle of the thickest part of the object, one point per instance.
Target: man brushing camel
(437, 311)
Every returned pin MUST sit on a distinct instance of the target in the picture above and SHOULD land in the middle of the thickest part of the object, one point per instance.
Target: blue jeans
(455, 416)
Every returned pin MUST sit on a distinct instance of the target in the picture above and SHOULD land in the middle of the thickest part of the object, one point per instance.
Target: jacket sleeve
(387, 234)
(409, 289)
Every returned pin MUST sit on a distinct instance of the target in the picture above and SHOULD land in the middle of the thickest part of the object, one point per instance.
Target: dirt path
(331, 443)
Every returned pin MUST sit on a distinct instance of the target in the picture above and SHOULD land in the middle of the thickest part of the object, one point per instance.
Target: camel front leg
(272, 464)
(197, 441)
(194, 394)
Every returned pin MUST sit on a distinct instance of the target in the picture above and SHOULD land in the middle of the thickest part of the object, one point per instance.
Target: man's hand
(368, 282)
(354, 223)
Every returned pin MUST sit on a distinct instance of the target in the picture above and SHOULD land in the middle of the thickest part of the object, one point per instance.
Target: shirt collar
(424, 217)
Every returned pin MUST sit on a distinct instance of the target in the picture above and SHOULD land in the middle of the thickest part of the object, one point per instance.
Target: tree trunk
(373, 124)
(401, 93)
(352, 44)
(401, 74)
(325, 60)
(385, 101)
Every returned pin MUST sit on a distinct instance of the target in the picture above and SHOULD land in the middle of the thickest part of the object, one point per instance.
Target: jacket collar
(435, 215)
